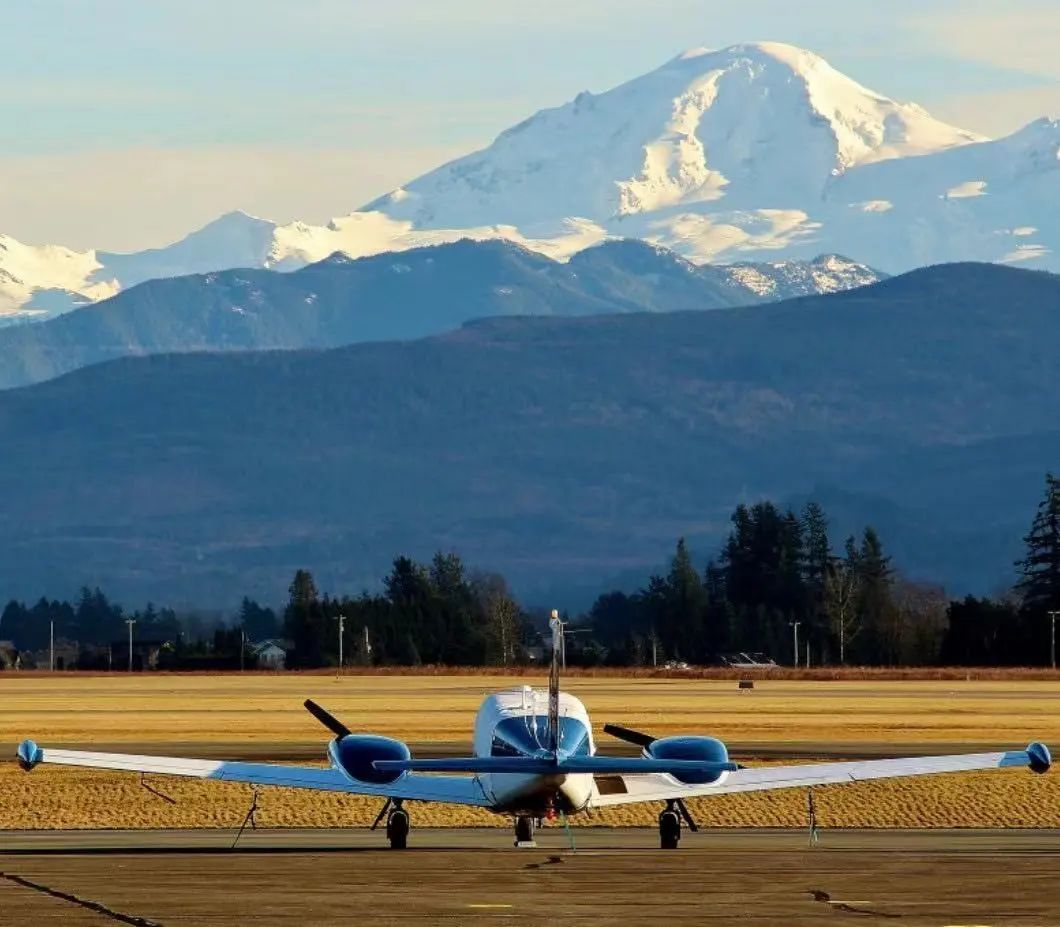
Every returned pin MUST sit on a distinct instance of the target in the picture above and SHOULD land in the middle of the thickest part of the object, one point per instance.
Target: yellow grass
(264, 709)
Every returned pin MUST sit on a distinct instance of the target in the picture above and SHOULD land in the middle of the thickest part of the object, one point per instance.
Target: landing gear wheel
(524, 832)
(669, 829)
(397, 828)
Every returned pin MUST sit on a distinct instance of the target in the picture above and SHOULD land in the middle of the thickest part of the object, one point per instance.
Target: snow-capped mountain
(754, 150)
(759, 152)
(750, 127)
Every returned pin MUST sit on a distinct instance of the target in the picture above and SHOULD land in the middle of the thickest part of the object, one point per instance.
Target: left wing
(620, 790)
(457, 790)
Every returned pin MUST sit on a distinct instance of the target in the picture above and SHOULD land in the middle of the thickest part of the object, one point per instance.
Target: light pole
(1054, 615)
(242, 648)
(130, 622)
(342, 623)
(51, 646)
(795, 626)
(367, 648)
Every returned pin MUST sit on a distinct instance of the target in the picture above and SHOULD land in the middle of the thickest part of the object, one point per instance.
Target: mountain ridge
(392, 296)
(558, 450)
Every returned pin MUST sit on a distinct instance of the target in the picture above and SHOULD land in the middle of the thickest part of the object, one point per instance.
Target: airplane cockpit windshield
(528, 735)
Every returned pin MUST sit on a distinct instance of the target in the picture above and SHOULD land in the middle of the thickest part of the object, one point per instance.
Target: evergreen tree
(818, 556)
(303, 621)
(874, 599)
(1039, 584)
(685, 607)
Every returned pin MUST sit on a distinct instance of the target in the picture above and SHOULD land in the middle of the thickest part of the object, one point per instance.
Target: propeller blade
(628, 735)
(687, 815)
(329, 721)
(382, 814)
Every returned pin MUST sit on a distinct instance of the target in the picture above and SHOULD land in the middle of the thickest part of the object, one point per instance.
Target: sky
(125, 124)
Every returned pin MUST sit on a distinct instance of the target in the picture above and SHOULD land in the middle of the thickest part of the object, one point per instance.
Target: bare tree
(841, 598)
(502, 615)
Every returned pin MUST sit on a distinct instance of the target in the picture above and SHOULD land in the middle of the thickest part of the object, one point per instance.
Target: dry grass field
(212, 715)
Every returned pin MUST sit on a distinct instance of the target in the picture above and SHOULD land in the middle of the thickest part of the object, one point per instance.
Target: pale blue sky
(125, 124)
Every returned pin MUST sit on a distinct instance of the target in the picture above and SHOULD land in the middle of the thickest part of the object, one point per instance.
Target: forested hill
(420, 292)
(561, 451)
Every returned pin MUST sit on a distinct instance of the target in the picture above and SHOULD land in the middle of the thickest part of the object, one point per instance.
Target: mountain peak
(733, 126)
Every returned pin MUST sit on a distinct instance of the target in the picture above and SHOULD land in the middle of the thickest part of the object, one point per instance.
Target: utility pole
(342, 624)
(51, 645)
(1054, 615)
(795, 625)
(130, 622)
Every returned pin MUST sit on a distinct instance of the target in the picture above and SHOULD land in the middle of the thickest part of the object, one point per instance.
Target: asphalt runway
(932, 878)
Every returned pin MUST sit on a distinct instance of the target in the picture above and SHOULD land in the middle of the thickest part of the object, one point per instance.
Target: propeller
(628, 735)
(329, 721)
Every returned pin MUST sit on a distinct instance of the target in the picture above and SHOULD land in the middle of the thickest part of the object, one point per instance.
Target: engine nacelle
(355, 753)
(707, 749)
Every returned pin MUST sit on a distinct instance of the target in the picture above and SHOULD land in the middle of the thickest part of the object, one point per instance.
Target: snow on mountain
(754, 152)
(759, 150)
(765, 125)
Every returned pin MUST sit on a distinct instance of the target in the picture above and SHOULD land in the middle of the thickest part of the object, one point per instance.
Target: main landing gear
(397, 823)
(670, 819)
(669, 827)
(397, 827)
(524, 831)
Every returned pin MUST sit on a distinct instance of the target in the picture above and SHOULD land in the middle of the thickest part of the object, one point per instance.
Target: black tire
(524, 830)
(669, 830)
(397, 829)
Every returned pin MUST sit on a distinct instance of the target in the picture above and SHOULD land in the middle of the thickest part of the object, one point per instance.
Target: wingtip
(1040, 757)
(29, 755)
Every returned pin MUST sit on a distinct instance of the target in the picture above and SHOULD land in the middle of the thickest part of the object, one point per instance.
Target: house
(9, 655)
(270, 654)
(66, 653)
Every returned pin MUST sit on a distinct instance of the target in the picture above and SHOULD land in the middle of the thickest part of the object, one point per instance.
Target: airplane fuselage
(515, 723)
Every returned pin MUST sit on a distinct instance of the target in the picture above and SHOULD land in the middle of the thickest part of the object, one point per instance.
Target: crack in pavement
(95, 906)
(826, 898)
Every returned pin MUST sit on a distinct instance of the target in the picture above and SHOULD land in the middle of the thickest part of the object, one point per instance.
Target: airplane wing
(457, 790)
(621, 790)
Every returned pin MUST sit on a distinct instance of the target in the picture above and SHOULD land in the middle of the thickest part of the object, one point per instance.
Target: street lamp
(342, 623)
(130, 622)
(1054, 615)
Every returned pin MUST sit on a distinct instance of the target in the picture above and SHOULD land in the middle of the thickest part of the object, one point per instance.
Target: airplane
(531, 765)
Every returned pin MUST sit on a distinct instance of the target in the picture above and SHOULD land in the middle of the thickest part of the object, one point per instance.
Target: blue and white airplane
(530, 765)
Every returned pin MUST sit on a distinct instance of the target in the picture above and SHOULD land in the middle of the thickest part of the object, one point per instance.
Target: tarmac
(610, 876)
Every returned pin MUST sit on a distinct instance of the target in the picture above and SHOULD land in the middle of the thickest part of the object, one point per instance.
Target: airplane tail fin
(556, 625)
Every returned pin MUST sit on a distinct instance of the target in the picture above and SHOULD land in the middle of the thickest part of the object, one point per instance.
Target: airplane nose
(575, 790)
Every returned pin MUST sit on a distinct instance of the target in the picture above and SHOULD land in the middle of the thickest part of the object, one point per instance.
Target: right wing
(621, 790)
(457, 790)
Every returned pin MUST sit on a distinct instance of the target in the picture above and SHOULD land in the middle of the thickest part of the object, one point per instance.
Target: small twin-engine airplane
(532, 765)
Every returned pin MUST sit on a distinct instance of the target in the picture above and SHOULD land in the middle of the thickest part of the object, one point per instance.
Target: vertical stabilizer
(553, 683)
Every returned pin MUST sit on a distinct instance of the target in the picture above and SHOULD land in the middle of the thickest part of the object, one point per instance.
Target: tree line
(777, 576)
